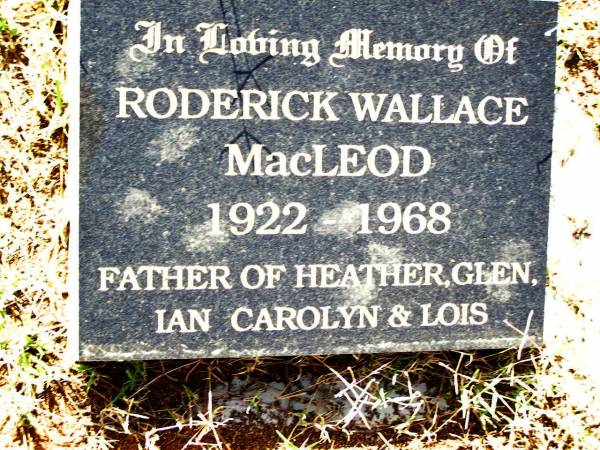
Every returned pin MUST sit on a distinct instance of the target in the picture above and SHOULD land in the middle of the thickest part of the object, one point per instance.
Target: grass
(543, 398)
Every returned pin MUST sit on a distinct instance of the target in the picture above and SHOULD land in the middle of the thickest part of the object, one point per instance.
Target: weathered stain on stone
(140, 206)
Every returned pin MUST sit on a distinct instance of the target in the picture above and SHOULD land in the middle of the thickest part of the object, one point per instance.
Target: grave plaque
(271, 177)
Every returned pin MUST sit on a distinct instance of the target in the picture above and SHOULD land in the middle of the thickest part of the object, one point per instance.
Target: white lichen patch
(342, 221)
(384, 254)
(131, 71)
(139, 205)
(498, 293)
(365, 293)
(516, 251)
(172, 144)
(360, 295)
(198, 238)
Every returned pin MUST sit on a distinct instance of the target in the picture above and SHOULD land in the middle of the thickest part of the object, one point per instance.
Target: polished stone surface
(146, 183)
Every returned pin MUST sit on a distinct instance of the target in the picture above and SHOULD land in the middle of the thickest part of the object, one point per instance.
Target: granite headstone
(270, 177)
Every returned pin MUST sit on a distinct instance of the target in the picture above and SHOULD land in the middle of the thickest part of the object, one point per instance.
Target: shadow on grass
(326, 402)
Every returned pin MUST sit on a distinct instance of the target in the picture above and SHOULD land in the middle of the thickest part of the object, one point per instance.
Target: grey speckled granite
(146, 183)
